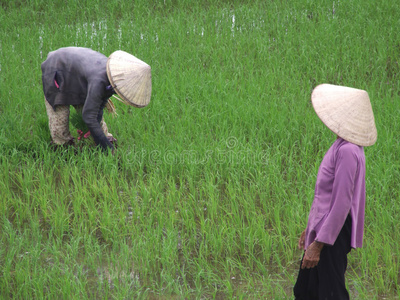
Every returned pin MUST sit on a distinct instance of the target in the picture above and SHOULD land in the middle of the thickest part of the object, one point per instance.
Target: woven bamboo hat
(347, 112)
(130, 77)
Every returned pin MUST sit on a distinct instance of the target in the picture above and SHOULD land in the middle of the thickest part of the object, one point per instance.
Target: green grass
(212, 182)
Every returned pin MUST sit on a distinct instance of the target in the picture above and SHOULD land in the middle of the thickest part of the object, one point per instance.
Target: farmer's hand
(311, 256)
(302, 240)
(112, 140)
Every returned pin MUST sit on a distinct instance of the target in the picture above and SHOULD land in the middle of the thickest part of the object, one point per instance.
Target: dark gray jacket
(81, 76)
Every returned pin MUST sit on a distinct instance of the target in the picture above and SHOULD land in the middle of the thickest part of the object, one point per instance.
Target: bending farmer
(86, 79)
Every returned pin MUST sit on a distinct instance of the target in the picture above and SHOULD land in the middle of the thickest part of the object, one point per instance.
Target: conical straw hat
(130, 77)
(347, 112)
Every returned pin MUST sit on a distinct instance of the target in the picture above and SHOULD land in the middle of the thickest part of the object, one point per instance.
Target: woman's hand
(312, 254)
(302, 239)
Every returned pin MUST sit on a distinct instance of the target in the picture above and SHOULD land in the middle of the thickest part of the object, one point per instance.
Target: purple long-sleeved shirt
(339, 190)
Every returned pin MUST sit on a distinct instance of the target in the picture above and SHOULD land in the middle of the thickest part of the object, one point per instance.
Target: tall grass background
(211, 183)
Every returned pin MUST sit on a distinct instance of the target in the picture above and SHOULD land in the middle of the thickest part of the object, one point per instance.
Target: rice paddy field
(211, 184)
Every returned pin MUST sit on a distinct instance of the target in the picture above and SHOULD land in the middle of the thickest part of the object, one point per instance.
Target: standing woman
(336, 219)
(86, 79)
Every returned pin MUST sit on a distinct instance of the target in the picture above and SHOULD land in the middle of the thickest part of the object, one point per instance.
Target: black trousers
(326, 280)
